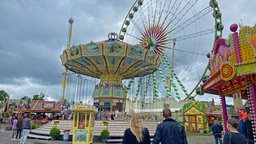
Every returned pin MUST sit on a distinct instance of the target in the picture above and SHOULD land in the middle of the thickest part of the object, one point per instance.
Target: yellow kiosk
(83, 123)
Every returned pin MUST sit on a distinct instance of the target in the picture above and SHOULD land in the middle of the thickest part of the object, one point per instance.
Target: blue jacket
(170, 132)
(217, 129)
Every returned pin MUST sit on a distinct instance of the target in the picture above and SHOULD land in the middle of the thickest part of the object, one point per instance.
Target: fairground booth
(233, 70)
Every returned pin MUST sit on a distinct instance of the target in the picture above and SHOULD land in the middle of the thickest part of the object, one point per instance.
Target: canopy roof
(41, 106)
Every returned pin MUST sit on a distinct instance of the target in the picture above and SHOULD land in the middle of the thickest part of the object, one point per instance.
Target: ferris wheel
(182, 32)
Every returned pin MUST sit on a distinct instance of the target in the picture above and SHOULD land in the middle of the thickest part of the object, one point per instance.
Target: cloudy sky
(33, 34)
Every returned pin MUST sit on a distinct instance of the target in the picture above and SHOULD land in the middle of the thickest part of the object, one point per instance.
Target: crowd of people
(21, 126)
(107, 114)
(239, 132)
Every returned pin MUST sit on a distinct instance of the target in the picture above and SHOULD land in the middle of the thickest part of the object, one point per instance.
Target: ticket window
(81, 120)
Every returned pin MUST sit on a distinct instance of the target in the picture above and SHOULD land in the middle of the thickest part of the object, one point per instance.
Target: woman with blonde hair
(136, 134)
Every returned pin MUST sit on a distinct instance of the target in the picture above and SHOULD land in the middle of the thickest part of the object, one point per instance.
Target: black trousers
(19, 130)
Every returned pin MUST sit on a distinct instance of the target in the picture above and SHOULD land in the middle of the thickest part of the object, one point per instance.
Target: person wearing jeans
(26, 126)
(19, 127)
(217, 131)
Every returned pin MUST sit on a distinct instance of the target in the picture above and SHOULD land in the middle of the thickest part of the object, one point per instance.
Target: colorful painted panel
(140, 64)
(74, 52)
(223, 53)
(106, 91)
(117, 92)
(136, 52)
(98, 61)
(247, 43)
(85, 62)
(74, 65)
(114, 48)
(96, 92)
(80, 135)
(151, 56)
(246, 69)
(91, 49)
(200, 119)
(127, 62)
(113, 61)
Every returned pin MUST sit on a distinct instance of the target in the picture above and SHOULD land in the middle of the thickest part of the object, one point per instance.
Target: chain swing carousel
(158, 52)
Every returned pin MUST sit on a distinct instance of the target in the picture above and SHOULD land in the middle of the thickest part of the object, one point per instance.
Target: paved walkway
(5, 138)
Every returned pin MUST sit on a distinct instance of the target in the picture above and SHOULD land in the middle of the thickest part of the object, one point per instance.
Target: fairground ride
(159, 52)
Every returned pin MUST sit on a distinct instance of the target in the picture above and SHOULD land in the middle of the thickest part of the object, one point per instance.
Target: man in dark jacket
(169, 131)
(248, 129)
(217, 131)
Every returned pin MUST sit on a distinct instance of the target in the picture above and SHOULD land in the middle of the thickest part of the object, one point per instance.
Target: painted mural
(114, 48)
(106, 91)
(195, 117)
(222, 53)
(127, 61)
(135, 52)
(91, 49)
(117, 91)
(81, 135)
(150, 57)
(98, 61)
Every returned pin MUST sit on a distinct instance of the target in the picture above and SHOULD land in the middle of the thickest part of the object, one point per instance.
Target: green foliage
(36, 97)
(34, 126)
(199, 105)
(1, 104)
(26, 98)
(3, 95)
(206, 123)
(104, 133)
(54, 132)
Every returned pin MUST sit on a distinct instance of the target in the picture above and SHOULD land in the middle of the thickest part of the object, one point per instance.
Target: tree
(3, 95)
(37, 97)
(25, 99)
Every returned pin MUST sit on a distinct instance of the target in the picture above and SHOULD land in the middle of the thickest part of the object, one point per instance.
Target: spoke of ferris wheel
(175, 49)
(148, 8)
(143, 20)
(142, 17)
(187, 7)
(192, 35)
(172, 10)
(161, 11)
(134, 36)
(190, 21)
(137, 26)
(155, 11)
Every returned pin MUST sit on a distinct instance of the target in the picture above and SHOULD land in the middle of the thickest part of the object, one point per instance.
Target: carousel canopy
(110, 57)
